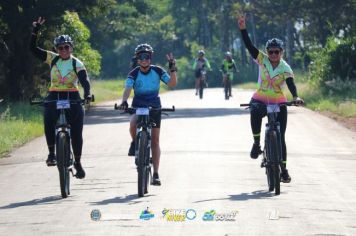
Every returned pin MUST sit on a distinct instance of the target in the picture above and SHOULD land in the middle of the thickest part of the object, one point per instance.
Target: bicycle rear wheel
(141, 168)
(63, 159)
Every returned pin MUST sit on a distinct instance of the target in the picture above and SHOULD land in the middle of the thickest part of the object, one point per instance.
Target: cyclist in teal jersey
(145, 81)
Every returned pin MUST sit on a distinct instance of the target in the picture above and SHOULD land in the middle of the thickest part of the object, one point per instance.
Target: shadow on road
(40, 201)
(106, 114)
(127, 199)
(260, 194)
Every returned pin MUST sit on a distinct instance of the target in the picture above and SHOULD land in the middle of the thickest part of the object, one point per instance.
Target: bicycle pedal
(263, 163)
(71, 171)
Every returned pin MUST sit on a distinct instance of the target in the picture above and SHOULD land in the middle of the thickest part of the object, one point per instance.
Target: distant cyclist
(199, 64)
(145, 81)
(228, 68)
(65, 71)
(274, 73)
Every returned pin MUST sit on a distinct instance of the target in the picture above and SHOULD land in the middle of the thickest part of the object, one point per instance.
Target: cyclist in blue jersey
(145, 81)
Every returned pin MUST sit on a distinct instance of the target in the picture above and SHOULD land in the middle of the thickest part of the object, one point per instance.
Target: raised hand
(37, 24)
(241, 19)
(171, 62)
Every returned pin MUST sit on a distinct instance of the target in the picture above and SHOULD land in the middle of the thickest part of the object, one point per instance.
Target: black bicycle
(202, 82)
(227, 85)
(272, 151)
(143, 157)
(63, 145)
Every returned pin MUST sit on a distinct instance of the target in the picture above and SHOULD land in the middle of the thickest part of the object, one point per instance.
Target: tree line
(107, 31)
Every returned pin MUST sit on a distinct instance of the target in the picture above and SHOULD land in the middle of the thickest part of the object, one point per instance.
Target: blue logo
(95, 215)
(209, 215)
(190, 214)
(146, 214)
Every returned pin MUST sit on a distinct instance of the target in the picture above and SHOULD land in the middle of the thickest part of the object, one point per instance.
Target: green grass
(19, 123)
(105, 90)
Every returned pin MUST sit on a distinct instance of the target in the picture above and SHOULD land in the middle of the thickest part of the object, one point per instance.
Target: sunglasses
(144, 56)
(66, 47)
(277, 52)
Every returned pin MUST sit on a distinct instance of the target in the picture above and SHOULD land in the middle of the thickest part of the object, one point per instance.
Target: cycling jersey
(63, 78)
(146, 86)
(199, 63)
(271, 81)
(228, 67)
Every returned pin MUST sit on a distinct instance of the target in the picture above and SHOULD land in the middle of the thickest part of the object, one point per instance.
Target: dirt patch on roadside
(349, 123)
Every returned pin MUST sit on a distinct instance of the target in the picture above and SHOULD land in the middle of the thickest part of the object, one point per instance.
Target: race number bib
(273, 108)
(63, 104)
(142, 111)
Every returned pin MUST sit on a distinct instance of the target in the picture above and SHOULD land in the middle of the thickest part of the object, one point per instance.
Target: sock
(256, 138)
(51, 149)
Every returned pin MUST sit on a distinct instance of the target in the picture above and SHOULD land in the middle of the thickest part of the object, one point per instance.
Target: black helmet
(143, 48)
(201, 52)
(274, 43)
(62, 39)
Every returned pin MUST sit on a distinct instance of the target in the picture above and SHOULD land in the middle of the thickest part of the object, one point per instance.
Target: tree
(16, 17)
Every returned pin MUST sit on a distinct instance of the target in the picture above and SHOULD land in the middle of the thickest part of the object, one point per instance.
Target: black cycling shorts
(155, 116)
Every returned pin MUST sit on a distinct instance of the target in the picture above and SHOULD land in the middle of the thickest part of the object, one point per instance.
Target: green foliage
(332, 67)
(73, 26)
(343, 60)
(185, 74)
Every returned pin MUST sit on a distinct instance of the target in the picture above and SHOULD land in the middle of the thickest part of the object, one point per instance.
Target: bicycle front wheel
(270, 178)
(141, 168)
(273, 160)
(63, 159)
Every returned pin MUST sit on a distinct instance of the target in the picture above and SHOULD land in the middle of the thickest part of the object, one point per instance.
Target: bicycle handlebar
(132, 110)
(290, 103)
(81, 101)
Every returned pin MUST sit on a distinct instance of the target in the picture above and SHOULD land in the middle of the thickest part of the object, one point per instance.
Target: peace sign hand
(171, 62)
(241, 19)
(37, 24)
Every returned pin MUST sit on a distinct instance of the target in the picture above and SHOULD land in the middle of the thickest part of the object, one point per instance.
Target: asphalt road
(205, 166)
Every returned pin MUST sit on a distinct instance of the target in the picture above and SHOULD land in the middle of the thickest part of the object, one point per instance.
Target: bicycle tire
(226, 90)
(63, 158)
(141, 168)
(275, 160)
(201, 89)
(147, 178)
(270, 178)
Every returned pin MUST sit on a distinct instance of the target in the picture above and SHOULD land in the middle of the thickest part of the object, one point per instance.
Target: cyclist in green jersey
(228, 68)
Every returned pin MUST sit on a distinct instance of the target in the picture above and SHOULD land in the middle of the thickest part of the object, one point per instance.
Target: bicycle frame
(63, 144)
(272, 153)
(273, 126)
(143, 153)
